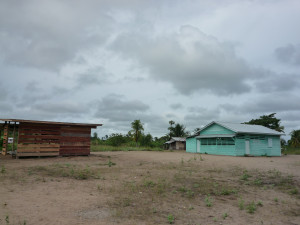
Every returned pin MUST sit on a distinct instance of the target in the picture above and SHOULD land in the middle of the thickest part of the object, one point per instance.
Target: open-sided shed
(175, 143)
(46, 138)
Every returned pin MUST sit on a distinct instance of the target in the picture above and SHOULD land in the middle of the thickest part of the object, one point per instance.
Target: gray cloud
(3, 93)
(120, 112)
(93, 76)
(190, 60)
(265, 104)
(48, 35)
(289, 54)
(64, 107)
(271, 82)
(176, 106)
(198, 116)
(114, 108)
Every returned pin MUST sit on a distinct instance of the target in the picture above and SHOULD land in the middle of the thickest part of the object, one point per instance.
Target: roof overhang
(215, 136)
(257, 133)
(52, 123)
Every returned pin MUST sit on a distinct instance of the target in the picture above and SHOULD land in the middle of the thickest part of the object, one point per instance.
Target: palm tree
(295, 138)
(137, 127)
(170, 128)
(179, 130)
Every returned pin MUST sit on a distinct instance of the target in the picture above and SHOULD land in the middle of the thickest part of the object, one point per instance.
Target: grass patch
(171, 219)
(251, 207)
(271, 179)
(241, 204)
(65, 170)
(208, 201)
(110, 148)
(291, 150)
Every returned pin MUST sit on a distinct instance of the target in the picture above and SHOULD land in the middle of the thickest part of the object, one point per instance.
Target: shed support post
(13, 143)
(5, 138)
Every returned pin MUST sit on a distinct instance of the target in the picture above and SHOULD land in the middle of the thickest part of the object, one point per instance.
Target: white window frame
(270, 142)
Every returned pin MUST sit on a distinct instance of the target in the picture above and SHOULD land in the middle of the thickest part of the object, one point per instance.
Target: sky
(112, 62)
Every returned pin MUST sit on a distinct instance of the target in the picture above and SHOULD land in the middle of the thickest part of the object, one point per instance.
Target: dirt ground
(150, 188)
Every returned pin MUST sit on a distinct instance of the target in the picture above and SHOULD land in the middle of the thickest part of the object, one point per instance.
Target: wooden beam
(5, 138)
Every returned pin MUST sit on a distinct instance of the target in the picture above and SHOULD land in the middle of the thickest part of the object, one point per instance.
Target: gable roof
(178, 138)
(174, 139)
(245, 128)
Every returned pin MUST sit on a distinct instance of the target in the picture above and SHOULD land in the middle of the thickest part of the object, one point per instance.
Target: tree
(137, 127)
(196, 131)
(269, 121)
(95, 136)
(146, 140)
(295, 138)
(177, 131)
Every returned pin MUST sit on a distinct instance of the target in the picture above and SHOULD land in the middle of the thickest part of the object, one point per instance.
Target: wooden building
(175, 143)
(45, 138)
(235, 139)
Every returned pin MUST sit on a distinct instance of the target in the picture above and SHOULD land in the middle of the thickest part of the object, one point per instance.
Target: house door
(247, 147)
(198, 146)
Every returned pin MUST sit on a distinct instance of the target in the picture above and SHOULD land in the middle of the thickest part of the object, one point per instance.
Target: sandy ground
(120, 195)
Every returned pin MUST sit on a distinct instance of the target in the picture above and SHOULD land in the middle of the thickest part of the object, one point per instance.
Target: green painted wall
(191, 145)
(216, 129)
(259, 145)
(218, 149)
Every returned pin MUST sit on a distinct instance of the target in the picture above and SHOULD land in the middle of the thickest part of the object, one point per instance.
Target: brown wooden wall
(75, 140)
(50, 140)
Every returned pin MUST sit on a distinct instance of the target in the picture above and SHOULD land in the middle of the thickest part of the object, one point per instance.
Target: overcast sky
(111, 62)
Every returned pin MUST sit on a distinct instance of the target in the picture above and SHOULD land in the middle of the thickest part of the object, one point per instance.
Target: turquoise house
(235, 139)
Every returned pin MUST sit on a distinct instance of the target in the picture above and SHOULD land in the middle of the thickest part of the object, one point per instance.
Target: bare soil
(150, 188)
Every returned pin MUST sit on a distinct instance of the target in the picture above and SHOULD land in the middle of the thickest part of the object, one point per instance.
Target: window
(270, 142)
(217, 141)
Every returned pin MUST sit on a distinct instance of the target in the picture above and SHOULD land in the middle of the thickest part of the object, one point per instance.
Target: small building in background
(235, 139)
(176, 143)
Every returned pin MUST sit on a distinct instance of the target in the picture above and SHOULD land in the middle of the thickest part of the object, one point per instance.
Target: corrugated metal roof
(173, 139)
(245, 128)
(178, 138)
(51, 122)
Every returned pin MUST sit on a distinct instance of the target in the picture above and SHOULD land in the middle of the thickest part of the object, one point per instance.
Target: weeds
(149, 183)
(208, 201)
(110, 163)
(190, 194)
(260, 203)
(3, 170)
(245, 175)
(251, 207)
(171, 219)
(241, 204)
(62, 170)
(225, 215)
(7, 219)
(294, 191)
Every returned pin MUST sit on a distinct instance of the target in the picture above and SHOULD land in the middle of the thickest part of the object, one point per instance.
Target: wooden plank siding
(75, 140)
(38, 140)
(53, 140)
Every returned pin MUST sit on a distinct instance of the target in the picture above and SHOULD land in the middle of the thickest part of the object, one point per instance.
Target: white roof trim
(215, 135)
(259, 129)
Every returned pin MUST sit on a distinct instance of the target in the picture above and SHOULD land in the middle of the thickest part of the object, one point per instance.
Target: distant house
(234, 139)
(175, 143)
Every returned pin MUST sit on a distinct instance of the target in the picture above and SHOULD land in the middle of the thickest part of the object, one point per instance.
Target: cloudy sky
(111, 62)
